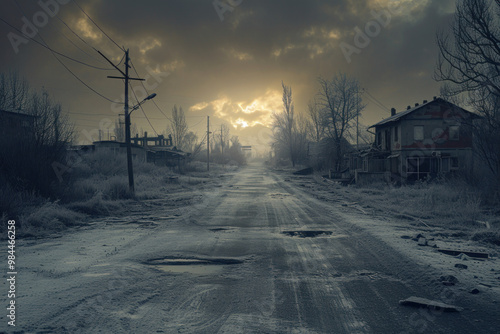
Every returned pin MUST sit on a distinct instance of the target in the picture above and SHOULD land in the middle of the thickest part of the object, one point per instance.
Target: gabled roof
(402, 114)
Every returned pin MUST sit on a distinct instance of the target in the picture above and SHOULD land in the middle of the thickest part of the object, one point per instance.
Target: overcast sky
(225, 59)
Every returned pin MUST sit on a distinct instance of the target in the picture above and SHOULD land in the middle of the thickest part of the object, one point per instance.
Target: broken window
(454, 132)
(418, 132)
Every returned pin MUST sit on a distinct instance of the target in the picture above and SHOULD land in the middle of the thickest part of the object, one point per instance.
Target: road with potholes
(255, 255)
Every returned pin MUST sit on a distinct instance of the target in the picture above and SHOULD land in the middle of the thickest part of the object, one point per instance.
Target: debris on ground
(305, 171)
(458, 252)
(462, 257)
(432, 244)
(422, 242)
(448, 280)
(431, 304)
(461, 266)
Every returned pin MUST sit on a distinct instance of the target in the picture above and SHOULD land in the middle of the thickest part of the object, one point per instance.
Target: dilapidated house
(423, 141)
(16, 125)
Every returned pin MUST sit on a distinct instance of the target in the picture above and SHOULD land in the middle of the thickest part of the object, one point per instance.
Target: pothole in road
(306, 234)
(197, 266)
(218, 229)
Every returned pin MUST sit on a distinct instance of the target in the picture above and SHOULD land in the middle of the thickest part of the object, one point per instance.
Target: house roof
(168, 149)
(402, 114)
(108, 143)
(17, 114)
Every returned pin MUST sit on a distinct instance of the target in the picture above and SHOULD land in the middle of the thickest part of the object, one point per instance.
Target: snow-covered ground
(227, 256)
(402, 235)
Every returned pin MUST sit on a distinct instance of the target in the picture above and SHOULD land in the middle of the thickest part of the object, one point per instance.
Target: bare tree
(234, 151)
(301, 132)
(219, 143)
(338, 98)
(284, 124)
(190, 141)
(178, 127)
(27, 159)
(14, 91)
(317, 124)
(469, 62)
(119, 130)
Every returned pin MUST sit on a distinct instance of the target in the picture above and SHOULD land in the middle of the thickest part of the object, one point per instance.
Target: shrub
(488, 236)
(95, 206)
(50, 216)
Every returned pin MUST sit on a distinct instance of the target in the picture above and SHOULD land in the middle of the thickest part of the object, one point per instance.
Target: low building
(429, 139)
(16, 125)
(115, 147)
(166, 156)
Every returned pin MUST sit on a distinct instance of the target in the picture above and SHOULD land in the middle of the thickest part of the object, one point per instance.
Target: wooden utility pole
(357, 117)
(127, 130)
(208, 143)
(127, 78)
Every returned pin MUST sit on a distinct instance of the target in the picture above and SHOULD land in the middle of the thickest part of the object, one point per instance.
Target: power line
(80, 38)
(76, 46)
(121, 48)
(377, 102)
(154, 102)
(193, 126)
(59, 60)
(77, 115)
(140, 105)
(158, 107)
(52, 50)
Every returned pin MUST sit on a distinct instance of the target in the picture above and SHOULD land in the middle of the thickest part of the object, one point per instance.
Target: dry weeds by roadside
(98, 187)
(454, 206)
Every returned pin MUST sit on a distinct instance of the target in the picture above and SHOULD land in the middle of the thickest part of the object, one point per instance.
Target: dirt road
(256, 255)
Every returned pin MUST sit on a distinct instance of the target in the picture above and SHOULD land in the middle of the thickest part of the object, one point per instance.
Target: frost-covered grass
(452, 205)
(449, 203)
(97, 185)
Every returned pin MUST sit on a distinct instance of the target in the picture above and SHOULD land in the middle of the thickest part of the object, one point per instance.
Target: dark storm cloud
(241, 58)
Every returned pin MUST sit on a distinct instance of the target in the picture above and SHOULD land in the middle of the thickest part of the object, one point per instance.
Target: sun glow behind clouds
(243, 114)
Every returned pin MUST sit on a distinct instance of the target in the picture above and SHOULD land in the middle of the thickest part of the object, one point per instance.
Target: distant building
(115, 148)
(157, 150)
(429, 139)
(16, 125)
(322, 154)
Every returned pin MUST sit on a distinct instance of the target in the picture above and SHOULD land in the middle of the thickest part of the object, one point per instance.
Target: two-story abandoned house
(423, 141)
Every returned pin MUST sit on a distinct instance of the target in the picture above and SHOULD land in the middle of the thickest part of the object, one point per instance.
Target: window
(454, 162)
(379, 139)
(445, 165)
(418, 132)
(454, 132)
(396, 134)
(388, 139)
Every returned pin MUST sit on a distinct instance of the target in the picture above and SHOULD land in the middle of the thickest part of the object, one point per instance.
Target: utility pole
(357, 117)
(208, 143)
(127, 78)
(127, 130)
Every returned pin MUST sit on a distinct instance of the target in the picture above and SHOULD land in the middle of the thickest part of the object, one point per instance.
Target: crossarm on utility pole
(126, 77)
